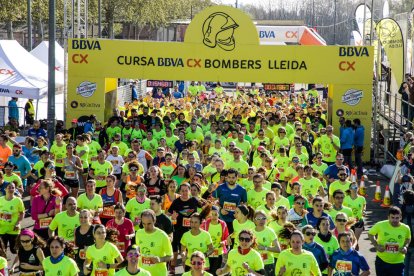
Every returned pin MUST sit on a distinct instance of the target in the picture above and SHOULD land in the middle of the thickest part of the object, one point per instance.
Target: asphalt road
(374, 214)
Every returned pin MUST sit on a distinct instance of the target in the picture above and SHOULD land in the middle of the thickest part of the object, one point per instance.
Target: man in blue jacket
(359, 145)
(347, 142)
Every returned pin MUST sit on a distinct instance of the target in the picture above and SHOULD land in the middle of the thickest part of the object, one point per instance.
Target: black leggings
(215, 263)
(9, 239)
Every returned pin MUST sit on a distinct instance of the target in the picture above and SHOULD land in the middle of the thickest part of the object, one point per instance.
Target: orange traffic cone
(353, 175)
(377, 196)
(362, 188)
(386, 203)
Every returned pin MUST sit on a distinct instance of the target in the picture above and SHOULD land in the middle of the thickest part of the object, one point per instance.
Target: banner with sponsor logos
(391, 38)
(352, 102)
(221, 44)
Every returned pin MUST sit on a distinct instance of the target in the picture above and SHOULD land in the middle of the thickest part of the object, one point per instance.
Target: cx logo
(193, 62)
(347, 66)
(79, 58)
(19, 92)
(6, 72)
(290, 34)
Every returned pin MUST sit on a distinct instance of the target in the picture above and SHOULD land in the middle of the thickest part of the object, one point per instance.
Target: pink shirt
(40, 206)
(126, 228)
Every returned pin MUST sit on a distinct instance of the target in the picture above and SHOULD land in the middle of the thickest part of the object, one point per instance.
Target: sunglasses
(142, 190)
(241, 239)
(310, 233)
(339, 159)
(130, 255)
(197, 263)
(342, 174)
(25, 241)
(133, 169)
(51, 167)
(300, 203)
(341, 220)
(260, 218)
(295, 161)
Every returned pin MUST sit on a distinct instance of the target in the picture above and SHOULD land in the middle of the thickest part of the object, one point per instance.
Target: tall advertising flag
(386, 9)
(390, 35)
(362, 13)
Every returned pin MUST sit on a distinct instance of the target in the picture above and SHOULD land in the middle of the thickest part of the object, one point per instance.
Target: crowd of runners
(251, 183)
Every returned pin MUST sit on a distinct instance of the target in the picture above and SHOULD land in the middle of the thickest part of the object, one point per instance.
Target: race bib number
(344, 266)
(283, 246)
(100, 177)
(121, 246)
(18, 173)
(7, 217)
(94, 158)
(264, 256)
(147, 260)
(108, 211)
(229, 206)
(137, 220)
(391, 247)
(82, 254)
(327, 155)
(215, 253)
(114, 162)
(27, 273)
(45, 222)
(101, 272)
(281, 169)
(69, 174)
(59, 161)
(186, 222)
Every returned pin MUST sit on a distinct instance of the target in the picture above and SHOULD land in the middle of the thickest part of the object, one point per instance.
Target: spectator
(36, 131)
(29, 112)
(347, 142)
(359, 145)
(13, 109)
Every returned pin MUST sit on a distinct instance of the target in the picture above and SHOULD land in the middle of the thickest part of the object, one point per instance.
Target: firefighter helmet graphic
(218, 30)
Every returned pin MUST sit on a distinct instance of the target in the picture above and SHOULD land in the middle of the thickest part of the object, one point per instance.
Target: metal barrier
(4, 116)
(393, 117)
(124, 92)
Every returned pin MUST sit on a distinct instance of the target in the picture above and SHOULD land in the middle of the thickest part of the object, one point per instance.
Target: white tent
(21, 74)
(42, 53)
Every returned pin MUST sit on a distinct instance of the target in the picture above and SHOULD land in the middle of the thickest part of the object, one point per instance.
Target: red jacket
(225, 231)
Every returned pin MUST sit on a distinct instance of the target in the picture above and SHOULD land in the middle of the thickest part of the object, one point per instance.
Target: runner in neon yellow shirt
(329, 145)
(196, 240)
(66, 222)
(243, 215)
(58, 151)
(154, 244)
(137, 205)
(11, 212)
(266, 240)
(244, 260)
(100, 169)
(326, 238)
(257, 195)
(90, 200)
(297, 260)
(238, 164)
(102, 254)
(311, 186)
(391, 239)
(62, 265)
(133, 268)
(198, 261)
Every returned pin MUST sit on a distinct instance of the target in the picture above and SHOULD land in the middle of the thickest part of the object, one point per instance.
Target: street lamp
(334, 40)
(29, 25)
(51, 87)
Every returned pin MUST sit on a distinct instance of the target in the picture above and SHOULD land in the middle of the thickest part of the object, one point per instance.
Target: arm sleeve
(54, 224)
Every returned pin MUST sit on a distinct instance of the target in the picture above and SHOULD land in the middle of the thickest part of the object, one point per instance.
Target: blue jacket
(319, 253)
(13, 110)
(359, 136)
(347, 138)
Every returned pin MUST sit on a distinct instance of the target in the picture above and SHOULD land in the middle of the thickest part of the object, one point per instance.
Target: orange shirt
(5, 152)
(130, 186)
(167, 202)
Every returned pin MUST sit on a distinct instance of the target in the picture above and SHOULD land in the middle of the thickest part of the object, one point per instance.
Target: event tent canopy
(21, 74)
(42, 53)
